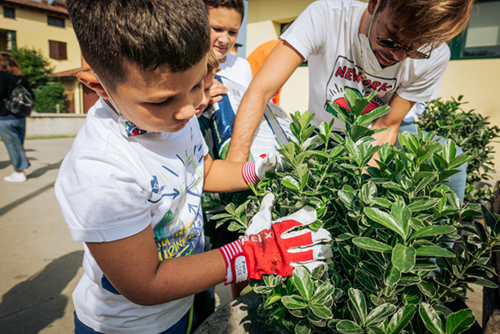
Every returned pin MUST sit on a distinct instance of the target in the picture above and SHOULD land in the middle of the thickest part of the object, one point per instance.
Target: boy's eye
(216, 29)
(198, 86)
(163, 104)
(233, 33)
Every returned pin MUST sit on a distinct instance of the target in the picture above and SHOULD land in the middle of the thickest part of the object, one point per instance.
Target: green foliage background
(36, 68)
(393, 268)
(473, 133)
(48, 96)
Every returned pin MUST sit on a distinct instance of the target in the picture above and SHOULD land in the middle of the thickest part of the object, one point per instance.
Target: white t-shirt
(111, 187)
(236, 69)
(326, 34)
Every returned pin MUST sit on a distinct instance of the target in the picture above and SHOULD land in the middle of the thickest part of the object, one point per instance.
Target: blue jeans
(12, 132)
(182, 326)
(455, 182)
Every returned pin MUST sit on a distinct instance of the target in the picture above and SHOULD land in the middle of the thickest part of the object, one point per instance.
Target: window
(55, 21)
(57, 50)
(11, 40)
(9, 12)
(481, 39)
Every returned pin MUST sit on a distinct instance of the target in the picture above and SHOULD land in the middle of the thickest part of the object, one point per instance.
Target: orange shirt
(257, 58)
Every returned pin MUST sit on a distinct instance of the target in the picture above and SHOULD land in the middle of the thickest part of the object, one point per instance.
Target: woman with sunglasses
(394, 47)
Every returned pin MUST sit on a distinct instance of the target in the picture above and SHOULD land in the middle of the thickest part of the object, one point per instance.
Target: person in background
(13, 127)
(225, 18)
(204, 302)
(259, 56)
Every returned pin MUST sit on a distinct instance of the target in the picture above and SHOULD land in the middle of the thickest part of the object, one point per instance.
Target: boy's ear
(372, 6)
(91, 81)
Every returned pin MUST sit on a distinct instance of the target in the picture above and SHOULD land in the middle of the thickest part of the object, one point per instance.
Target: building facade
(45, 26)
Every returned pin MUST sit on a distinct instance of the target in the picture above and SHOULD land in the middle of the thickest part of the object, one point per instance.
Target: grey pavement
(40, 264)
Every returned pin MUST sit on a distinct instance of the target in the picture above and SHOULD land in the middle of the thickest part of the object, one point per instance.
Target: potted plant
(393, 226)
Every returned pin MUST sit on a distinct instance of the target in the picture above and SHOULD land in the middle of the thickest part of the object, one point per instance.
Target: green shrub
(393, 268)
(473, 134)
(36, 68)
(47, 97)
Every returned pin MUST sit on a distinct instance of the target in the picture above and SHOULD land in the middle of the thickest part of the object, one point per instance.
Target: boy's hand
(216, 91)
(273, 248)
(254, 171)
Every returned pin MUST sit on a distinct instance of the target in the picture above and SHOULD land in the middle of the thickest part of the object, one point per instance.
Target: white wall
(54, 124)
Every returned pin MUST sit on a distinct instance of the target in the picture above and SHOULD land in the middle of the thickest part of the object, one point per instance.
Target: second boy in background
(225, 18)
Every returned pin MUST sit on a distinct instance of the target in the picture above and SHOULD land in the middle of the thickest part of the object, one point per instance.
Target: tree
(35, 66)
(48, 97)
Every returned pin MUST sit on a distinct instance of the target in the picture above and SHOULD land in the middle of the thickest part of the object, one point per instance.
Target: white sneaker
(16, 177)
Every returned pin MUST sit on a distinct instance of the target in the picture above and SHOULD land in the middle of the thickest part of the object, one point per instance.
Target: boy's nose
(186, 112)
(224, 37)
(398, 54)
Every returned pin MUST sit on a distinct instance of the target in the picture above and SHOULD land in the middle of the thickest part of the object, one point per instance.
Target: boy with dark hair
(130, 188)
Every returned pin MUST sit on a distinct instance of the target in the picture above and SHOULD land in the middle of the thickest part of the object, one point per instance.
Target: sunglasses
(389, 43)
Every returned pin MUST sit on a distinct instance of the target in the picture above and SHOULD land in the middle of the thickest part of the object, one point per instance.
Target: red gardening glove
(273, 248)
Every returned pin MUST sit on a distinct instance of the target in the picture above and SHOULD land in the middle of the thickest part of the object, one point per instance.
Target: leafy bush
(36, 68)
(473, 134)
(47, 97)
(393, 268)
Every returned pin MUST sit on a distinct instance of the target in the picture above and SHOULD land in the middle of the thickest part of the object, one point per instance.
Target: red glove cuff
(249, 175)
(236, 262)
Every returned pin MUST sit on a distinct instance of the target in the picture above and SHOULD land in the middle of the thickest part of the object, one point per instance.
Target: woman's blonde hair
(429, 22)
(9, 64)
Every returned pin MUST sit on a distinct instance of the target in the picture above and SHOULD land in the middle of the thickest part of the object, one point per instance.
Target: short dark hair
(237, 5)
(148, 33)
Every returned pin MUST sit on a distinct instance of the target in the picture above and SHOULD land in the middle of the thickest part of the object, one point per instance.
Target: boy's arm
(223, 176)
(226, 176)
(133, 267)
(269, 247)
(275, 71)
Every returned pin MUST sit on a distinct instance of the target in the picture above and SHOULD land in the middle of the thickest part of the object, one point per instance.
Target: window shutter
(58, 50)
(53, 50)
(62, 51)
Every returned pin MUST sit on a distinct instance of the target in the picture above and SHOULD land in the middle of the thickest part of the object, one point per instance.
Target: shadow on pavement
(34, 304)
(4, 164)
(20, 201)
(42, 170)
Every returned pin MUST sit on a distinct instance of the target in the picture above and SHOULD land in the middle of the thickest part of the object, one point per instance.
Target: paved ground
(40, 264)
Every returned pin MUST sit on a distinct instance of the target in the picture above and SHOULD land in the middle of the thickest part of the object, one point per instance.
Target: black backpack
(20, 101)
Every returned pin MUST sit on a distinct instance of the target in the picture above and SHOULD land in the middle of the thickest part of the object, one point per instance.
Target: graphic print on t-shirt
(179, 232)
(346, 75)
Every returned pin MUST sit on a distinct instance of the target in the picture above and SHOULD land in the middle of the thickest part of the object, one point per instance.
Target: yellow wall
(476, 80)
(74, 85)
(32, 31)
(264, 21)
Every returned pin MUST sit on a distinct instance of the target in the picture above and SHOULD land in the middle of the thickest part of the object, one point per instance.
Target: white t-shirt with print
(111, 187)
(326, 34)
(236, 69)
